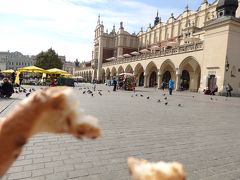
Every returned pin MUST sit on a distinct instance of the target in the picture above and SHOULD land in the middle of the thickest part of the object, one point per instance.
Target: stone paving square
(203, 134)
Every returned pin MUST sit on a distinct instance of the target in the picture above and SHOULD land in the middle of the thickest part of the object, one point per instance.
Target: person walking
(114, 84)
(229, 90)
(170, 86)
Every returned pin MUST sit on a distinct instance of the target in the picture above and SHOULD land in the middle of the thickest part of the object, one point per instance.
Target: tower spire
(98, 22)
(156, 19)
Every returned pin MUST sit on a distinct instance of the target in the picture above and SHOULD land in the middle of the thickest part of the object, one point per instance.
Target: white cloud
(67, 26)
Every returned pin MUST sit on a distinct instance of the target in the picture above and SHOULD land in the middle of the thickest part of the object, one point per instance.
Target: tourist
(13, 77)
(114, 84)
(229, 90)
(6, 89)
(214, 90)
(170, 86)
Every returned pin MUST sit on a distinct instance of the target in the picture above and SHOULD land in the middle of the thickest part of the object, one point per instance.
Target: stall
(126, 81)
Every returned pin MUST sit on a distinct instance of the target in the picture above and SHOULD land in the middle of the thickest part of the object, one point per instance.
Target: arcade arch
(129, 69)
(139, 74)
(167, 72)
(120, 70)
(113, 71)
(151, 75)
(190, 74)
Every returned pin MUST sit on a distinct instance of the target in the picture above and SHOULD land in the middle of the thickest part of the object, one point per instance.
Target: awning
(31, 69)
(111, 59)
(56, 71)
(127, 55)
(8, 71)
(126, 74)
(156, 48)
(172, 44)
(135, 53)
(144, 51)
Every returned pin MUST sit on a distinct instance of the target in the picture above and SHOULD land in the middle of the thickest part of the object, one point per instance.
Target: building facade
(15, 60)
(198, 50)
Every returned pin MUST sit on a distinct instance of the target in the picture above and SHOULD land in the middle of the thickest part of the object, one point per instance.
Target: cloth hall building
(198, 50)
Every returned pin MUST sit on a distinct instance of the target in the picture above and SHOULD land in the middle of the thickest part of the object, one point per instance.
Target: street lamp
(227, 65)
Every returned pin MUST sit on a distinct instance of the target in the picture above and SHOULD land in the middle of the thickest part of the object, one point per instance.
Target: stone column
(178, 79)
(159, 80)
(145, 80)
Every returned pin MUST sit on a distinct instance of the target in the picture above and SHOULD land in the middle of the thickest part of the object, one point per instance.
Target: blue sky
(32, 26)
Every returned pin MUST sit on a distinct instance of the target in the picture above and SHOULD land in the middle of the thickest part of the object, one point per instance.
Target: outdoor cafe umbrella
(172, 44)
(8, 71)
(31, 69)
(126, 74)
(135, 53)
(127, 55)
(56, 71)
(144, 51)
(111, 59)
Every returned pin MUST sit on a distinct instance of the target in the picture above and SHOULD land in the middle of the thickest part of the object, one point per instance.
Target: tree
(48, 60)
(77, 64)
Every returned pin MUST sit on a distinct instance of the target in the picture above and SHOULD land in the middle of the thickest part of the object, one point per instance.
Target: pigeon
(165, 98)
(159, 100)
(148, 97)
(89, 92)
(27, 94)
(166, 103)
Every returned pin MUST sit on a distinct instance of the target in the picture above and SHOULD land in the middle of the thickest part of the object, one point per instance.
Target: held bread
(53, 110)
(143, 170)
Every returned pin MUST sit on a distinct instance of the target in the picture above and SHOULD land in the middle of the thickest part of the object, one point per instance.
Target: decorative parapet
(94, 63)
(167, 52)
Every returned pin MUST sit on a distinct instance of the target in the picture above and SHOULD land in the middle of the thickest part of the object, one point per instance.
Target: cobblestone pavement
(203, 134)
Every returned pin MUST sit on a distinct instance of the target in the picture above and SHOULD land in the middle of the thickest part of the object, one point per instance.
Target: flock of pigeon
(21, 89)
(91, 92)
(159, 100)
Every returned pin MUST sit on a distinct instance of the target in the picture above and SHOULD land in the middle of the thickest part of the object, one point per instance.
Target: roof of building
(223, 3)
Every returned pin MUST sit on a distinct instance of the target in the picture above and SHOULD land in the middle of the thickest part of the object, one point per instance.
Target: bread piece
(53, 110)
(143, 170)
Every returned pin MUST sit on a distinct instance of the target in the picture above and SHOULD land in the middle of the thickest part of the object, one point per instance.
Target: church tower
(98, 48)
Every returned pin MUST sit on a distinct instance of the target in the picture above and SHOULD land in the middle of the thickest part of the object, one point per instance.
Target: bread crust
(53, 110)
(141, 169)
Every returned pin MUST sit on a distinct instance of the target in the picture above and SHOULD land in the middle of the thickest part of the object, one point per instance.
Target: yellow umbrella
(67, 75)
(31, 69)
(8, 71)
(56, 71)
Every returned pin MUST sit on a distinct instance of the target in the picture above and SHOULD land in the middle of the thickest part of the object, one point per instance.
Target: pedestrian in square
(229, 90)
(170, 86)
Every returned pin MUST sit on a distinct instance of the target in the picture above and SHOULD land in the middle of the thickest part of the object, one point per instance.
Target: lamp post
(227, 65)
